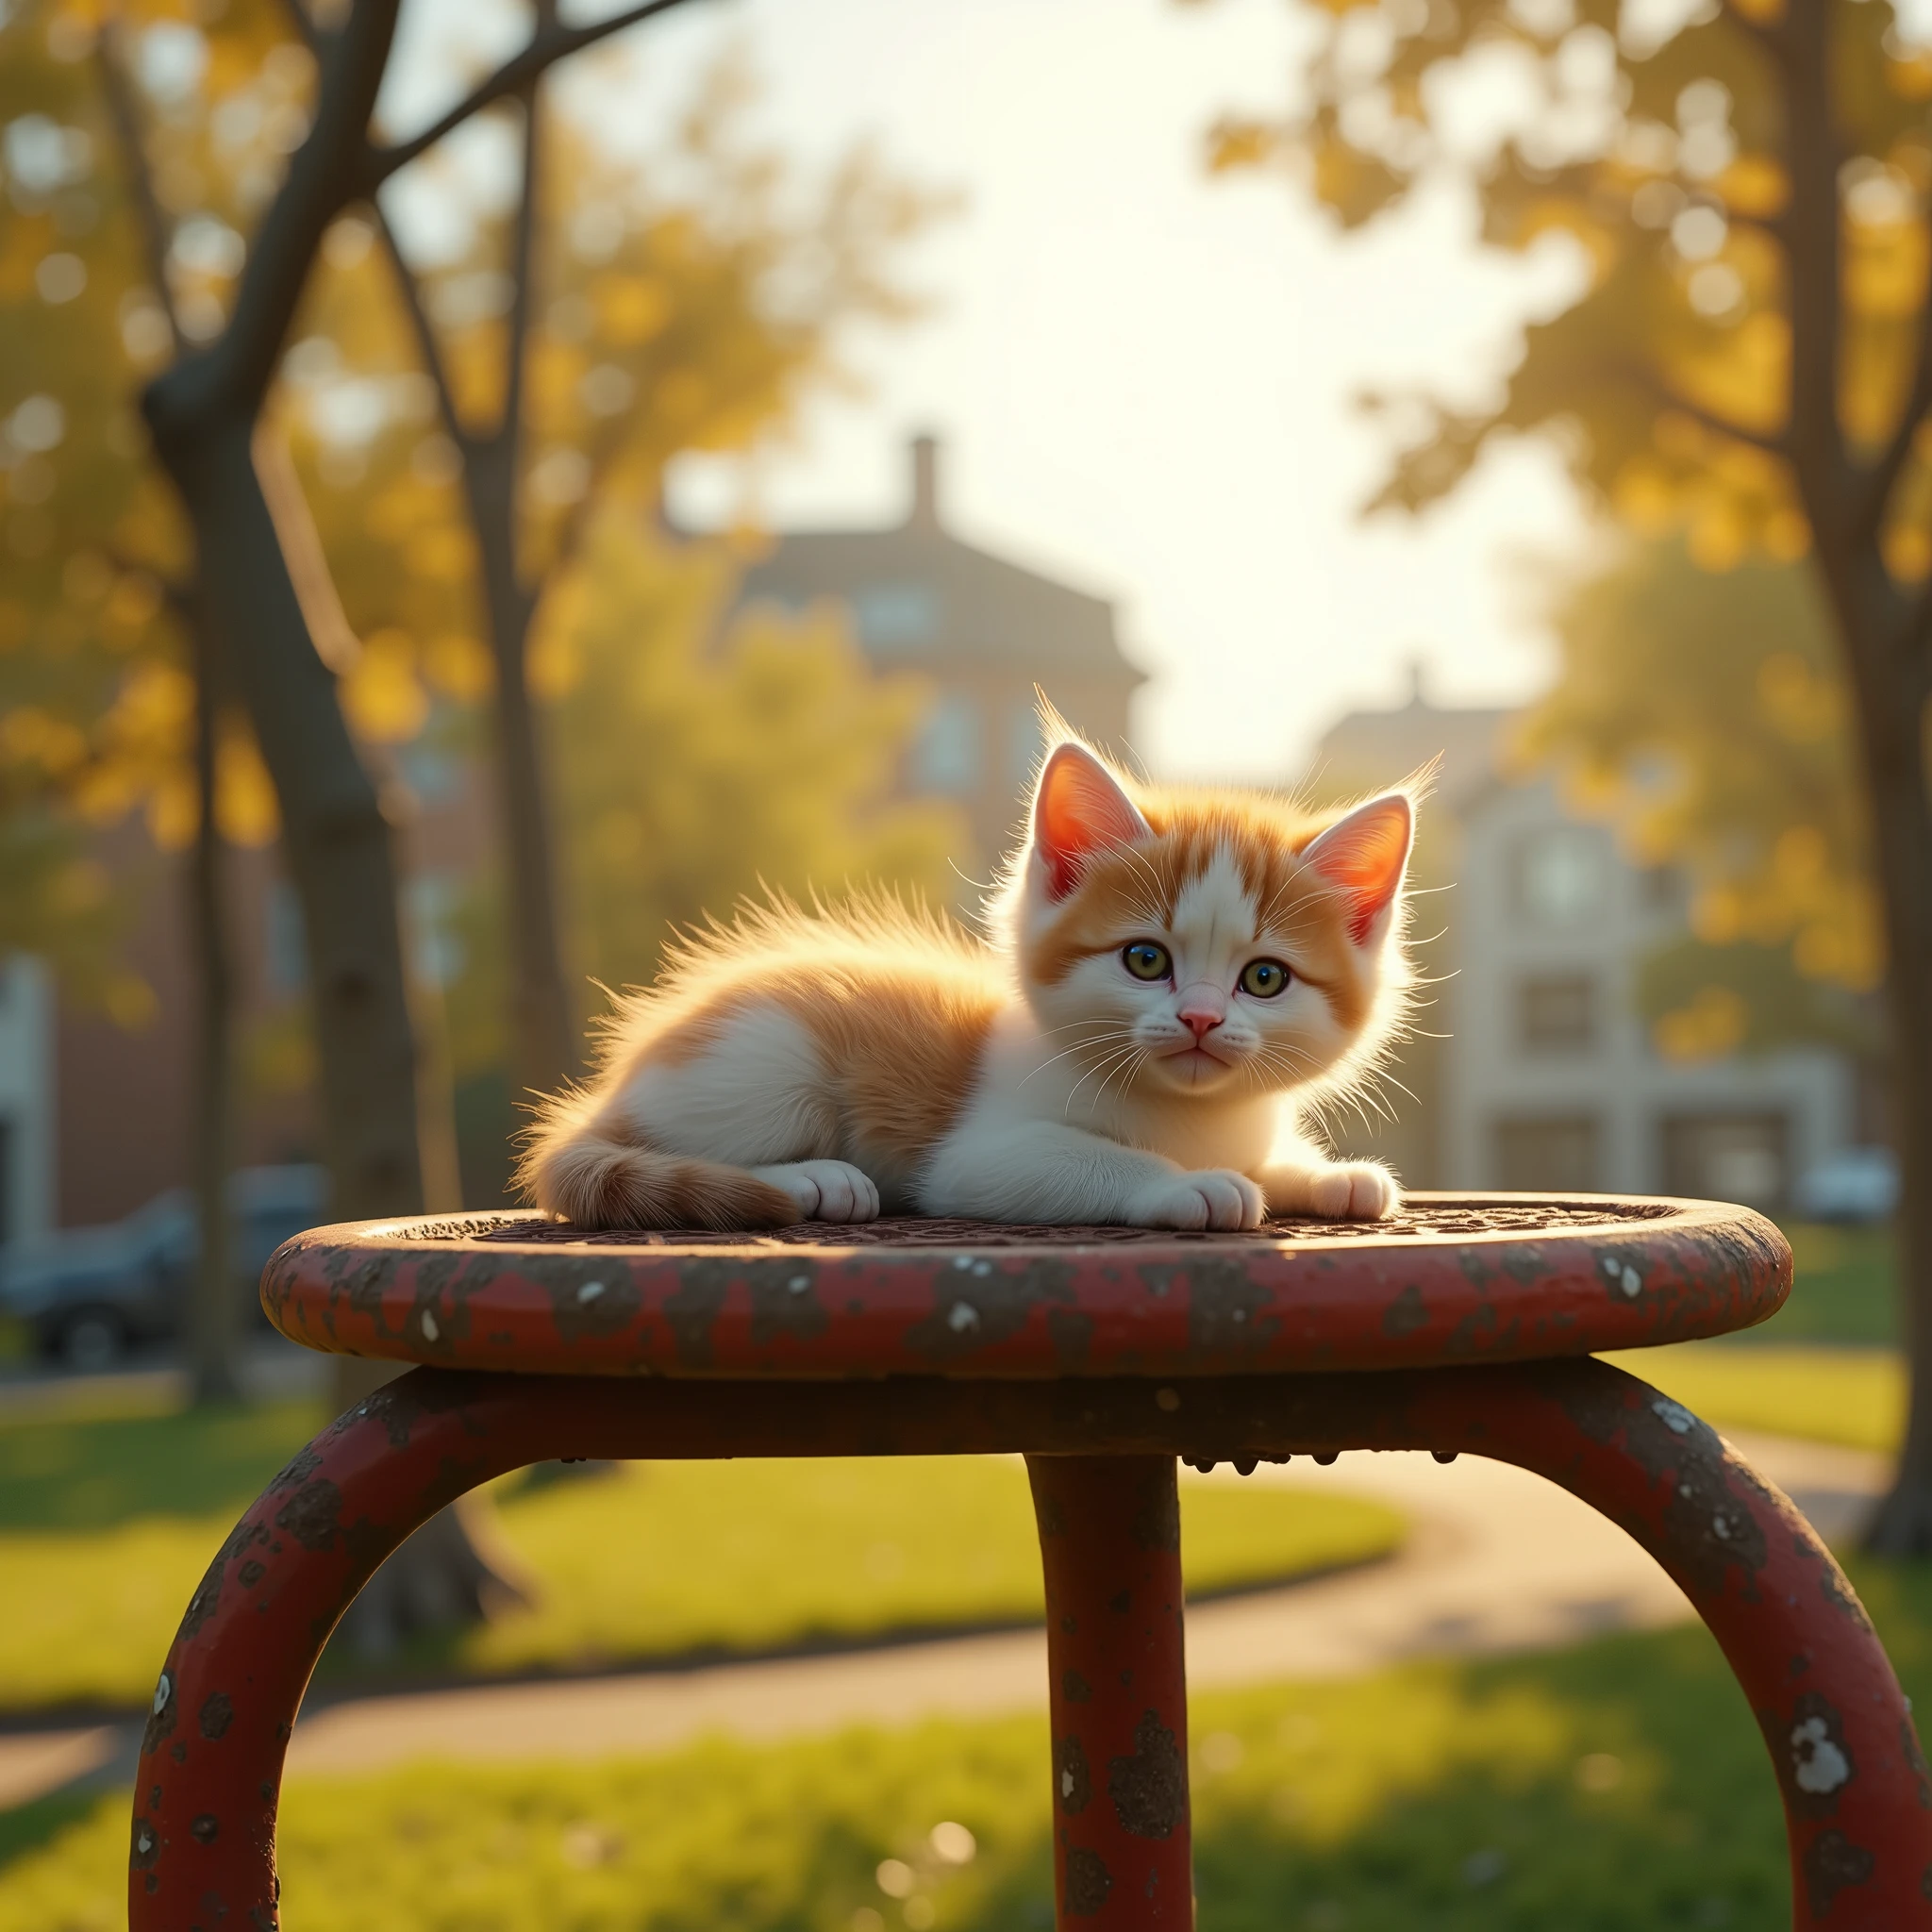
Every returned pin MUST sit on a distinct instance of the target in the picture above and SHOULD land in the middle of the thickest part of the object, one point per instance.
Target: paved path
(1497, 1560)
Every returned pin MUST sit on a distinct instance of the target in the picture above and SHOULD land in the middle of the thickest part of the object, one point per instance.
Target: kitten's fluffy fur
(836, 1066)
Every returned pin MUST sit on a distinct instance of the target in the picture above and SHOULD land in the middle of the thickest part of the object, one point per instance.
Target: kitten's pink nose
(1202, 1010)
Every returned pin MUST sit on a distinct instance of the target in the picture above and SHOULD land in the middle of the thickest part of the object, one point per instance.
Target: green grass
(1621, 1787)
(1823, 1367)
(1844, 1290)
(1856, 1397)
(106, 1522)
(658, 1559)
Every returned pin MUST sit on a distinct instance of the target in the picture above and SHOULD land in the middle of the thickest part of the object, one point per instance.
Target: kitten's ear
(1365, 854)
(1079, 808)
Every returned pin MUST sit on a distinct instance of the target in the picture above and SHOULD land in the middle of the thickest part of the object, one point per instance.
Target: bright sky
(1144, 377)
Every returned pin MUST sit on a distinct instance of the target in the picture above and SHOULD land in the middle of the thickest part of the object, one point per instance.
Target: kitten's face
(1192, 949)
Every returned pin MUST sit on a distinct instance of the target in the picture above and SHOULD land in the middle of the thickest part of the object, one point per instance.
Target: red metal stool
(1102, 1354)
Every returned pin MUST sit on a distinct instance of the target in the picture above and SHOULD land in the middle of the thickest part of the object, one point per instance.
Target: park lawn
(106, 1522)
(1844, 1289)
(669, 1557)
(1854, 1396)
(1619, 1787)
(1823, 1367)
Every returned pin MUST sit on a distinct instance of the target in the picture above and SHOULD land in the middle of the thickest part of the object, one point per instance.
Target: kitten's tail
(593, 1181)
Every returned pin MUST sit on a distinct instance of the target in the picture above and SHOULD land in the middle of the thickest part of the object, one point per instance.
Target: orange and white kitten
(1171, 976)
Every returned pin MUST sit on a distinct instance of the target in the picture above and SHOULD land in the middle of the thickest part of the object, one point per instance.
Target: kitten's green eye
(1264, 978)
(1146, 960)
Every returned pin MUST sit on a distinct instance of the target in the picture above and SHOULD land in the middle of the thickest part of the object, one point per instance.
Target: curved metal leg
(1857, 1796)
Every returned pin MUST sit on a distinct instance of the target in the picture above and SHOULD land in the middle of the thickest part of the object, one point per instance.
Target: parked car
(90, 1293)
(1858, 1185)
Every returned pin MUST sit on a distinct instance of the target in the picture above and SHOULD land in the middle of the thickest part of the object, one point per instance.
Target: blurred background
(483, 485)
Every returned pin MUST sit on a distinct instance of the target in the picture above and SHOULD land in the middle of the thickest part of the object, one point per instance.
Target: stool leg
(1856, 1791)
(1110, 1543)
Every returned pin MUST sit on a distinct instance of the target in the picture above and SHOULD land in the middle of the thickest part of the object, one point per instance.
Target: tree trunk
(213, 1302)
(1902, 833)
(334, 834)
(543, 1049)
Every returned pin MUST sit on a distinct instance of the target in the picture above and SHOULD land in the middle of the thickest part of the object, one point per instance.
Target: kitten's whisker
(1107, 1064)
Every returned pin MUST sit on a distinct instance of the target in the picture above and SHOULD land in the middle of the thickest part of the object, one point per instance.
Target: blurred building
(1534, 926)
(984, 632)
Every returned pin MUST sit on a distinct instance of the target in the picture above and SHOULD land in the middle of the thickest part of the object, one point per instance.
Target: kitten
(1171, 976)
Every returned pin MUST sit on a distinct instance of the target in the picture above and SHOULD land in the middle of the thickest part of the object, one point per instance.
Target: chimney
(925, 513)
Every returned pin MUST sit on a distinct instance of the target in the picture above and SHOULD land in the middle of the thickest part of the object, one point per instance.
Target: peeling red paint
(1444, 1285)
(867, 1358)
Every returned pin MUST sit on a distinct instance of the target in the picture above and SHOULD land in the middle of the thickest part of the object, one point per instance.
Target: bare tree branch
(1667, 399)
(517, 74)
(1881, 480)
(523, 285)
(232, 376)
(428, 347)
(157, 232)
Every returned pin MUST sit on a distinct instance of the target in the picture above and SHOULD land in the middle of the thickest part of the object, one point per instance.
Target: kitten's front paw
(826, 1189)
(1217, 1197)
(1342, 1190)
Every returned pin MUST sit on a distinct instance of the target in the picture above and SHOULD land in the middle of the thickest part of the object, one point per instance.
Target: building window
(1561, 875)
(1556, 1013)
(896, 618)
(1728, 1158)
(946, 758)
(1548, 1153)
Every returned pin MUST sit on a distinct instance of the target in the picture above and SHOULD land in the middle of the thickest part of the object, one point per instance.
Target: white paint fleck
(798, 1284)
(430, 1331)
(964, 1316)
(590, 1292)
(962, 1260)
(1720, 1526)
(146, 1842)
(163, 1691)
(1676, 1418)
(982, 1267)
(1631, 1283)
(1066, 1784)
(1820, 1766)
(1613, 1267)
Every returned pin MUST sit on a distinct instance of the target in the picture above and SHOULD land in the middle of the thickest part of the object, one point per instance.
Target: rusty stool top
(1452, 1279)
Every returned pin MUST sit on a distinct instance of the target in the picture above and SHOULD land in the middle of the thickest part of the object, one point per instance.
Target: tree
(613, 326)
(1706, 713)
(1750, 358)
(229, 304)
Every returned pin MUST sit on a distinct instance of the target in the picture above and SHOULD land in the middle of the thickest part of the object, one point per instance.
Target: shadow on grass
(27, 1827)
(98, 1474)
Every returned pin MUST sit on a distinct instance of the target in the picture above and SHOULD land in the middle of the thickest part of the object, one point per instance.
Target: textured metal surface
(1459, 1279)
(1110, 1544)
(1855, 1785)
